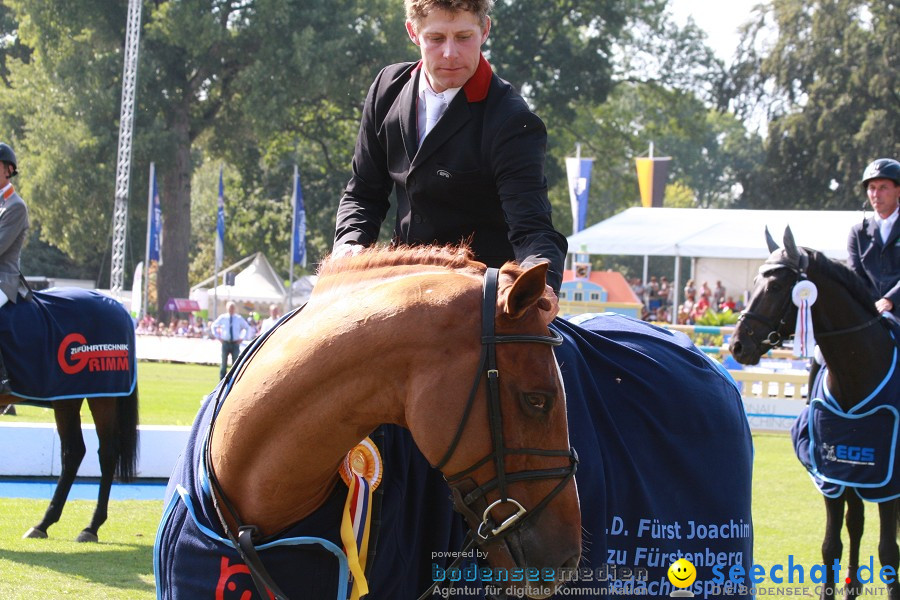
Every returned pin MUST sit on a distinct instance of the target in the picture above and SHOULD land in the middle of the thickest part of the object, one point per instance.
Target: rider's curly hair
(416, 10)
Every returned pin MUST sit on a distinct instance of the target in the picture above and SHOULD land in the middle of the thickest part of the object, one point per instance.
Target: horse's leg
(72, 451)
(856, 517)
(104, 412)
(888, 551)
(831, 545)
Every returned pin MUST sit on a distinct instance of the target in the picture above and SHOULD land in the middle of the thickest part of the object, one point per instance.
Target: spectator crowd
(657, 298)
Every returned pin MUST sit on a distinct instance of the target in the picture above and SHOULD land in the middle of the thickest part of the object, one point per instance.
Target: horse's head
(770, 315)
(499, 433)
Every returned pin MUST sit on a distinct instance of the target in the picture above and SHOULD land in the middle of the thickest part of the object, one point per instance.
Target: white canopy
(714, 233)
(257, 283)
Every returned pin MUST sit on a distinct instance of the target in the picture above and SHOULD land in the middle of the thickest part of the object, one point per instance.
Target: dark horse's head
(771, 315)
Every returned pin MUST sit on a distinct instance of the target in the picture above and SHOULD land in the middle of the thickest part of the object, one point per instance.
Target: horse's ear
(526, 290)
(790, 246)
(770, 241)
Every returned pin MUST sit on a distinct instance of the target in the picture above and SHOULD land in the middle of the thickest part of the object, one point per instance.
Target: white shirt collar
(891, 219)
(886, 225)
(445, 97)
(424, 86)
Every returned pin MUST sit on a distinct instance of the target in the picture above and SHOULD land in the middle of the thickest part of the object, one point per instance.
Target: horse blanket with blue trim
(856, 448)
(68, 343)
(666, 457)
(665, 472)
(193, 558)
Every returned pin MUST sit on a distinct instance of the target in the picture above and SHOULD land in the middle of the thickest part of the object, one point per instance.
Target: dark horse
(63, 347)
(859, 347)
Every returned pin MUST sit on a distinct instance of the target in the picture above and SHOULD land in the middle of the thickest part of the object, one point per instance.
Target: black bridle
(774, 338)
(488, 530)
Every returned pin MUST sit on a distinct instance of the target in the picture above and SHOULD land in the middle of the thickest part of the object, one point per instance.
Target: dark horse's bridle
(774, 338)
(488, 531)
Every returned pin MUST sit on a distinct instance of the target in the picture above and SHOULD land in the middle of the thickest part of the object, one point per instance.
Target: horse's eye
(536, 401)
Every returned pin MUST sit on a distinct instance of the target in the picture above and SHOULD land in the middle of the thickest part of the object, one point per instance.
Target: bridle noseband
(488, 530)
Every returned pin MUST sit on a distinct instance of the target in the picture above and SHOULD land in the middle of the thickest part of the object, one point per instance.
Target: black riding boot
(4, 378)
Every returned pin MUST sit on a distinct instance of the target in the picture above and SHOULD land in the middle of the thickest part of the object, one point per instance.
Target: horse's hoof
(35, 534)
(87, 536)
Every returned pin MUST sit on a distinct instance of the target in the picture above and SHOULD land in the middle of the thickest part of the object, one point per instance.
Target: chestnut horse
(424, 339)
(859, 349)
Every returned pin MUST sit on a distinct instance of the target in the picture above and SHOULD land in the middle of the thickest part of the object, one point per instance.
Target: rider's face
(884, 196)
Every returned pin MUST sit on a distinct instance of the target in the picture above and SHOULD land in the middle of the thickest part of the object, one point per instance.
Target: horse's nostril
(736, 348)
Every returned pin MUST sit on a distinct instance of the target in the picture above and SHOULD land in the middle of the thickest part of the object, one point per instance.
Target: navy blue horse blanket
(854, 448)
(665, 472)
(68, 343)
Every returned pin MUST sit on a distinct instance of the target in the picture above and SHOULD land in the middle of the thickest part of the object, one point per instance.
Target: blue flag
(579, 176)
(220, 223)
(155, 224)
(298, 234)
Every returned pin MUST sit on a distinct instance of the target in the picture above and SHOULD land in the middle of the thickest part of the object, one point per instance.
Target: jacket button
(417, 218)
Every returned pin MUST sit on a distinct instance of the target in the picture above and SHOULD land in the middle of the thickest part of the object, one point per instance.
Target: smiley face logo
(682, 573)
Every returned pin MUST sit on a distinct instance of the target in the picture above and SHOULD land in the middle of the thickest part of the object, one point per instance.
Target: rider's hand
(549, 305)
(884, 305)
(347, 250)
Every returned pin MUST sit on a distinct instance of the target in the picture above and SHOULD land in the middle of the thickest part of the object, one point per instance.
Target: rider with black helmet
(13, 227)
(874, 244)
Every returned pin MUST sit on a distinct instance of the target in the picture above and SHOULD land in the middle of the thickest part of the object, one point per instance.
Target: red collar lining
(476, 88)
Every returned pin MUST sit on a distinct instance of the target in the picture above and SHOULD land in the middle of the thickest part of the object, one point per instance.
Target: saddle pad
(842, 449)
(68, 343)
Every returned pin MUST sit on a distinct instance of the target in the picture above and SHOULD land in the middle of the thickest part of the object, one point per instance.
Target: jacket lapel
(895, 233)
(872, 230)
(409, 126)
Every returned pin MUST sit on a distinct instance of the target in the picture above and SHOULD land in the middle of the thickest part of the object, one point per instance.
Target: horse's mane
(449, 256)
(847, 277)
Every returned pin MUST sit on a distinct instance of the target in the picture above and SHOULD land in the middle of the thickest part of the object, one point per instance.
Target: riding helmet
(882, 168)
(8, 156)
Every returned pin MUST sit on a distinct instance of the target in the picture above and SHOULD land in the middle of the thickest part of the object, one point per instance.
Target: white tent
(726, 244)
(256, 284)
(714, 233)
(301, 290)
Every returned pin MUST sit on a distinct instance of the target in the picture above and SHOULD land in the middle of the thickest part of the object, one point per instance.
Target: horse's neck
(316, 388)
(858, 360)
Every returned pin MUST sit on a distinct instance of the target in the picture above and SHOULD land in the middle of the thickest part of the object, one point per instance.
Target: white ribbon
(804, 296)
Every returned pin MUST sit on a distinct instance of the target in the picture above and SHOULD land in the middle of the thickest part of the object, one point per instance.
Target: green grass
(169, 394)
(119, 567)
(789, 513)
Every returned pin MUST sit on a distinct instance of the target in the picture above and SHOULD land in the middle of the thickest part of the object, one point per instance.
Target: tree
(830, 85)
(212, 74)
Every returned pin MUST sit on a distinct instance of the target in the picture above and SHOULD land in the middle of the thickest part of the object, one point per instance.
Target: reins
(243, 543)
